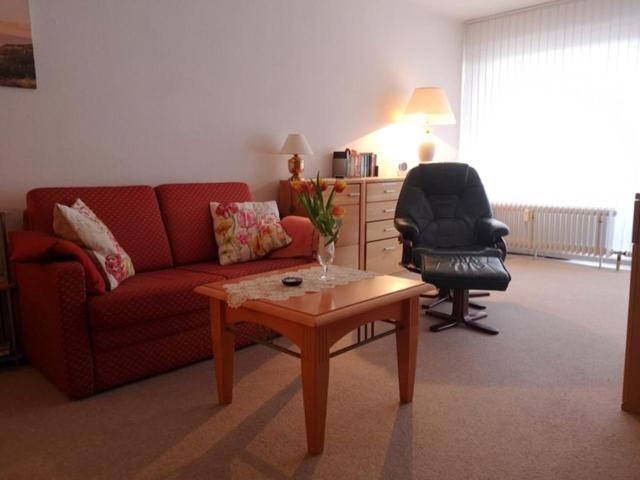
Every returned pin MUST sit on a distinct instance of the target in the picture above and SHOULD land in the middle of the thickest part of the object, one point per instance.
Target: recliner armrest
(490, 230)
(407, 228)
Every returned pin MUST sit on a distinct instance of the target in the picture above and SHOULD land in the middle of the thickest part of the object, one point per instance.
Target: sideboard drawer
(350, 196)
(384, 256)
(347, 256)
(350, 231)
(380, 230)
(380, 211)
(383, 191)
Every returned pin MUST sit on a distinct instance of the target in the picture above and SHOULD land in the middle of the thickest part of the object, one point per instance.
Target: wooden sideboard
(367, 239)
(631, 389)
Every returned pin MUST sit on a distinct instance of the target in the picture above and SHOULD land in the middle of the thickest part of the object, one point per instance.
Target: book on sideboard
(350, 163)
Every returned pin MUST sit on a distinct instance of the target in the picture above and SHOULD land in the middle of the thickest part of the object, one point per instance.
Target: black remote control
(291, 281)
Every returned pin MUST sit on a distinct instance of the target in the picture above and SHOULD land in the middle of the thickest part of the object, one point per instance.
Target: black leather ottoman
(461, 273)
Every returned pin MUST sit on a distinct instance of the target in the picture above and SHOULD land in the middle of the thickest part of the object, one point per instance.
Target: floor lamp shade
(431, 105)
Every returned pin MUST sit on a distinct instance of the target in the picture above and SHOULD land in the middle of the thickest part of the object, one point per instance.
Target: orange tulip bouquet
(326, 217)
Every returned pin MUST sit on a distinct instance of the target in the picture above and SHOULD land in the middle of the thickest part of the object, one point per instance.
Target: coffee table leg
(315, 383)
(223, 341)
(407, 348)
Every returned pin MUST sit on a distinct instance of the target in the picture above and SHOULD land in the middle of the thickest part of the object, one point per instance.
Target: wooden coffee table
(315, 322)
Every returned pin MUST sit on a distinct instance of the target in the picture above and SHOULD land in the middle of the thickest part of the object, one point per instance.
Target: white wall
(153, 91)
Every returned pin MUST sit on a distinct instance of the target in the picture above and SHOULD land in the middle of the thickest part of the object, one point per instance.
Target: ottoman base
(460, 315)
(442, 296)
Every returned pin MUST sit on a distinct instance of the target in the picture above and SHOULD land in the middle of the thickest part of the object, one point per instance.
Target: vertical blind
(551, 106)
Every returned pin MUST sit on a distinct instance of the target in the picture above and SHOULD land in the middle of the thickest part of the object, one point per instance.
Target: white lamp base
(427, 151)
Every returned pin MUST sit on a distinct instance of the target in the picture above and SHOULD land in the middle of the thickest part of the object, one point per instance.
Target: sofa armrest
(490, 230)
(53, 324)
(304, 238)
(37, 247)
(407, 228)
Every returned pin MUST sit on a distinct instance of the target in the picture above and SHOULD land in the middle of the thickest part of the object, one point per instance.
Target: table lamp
(431, 105)
(296, 145)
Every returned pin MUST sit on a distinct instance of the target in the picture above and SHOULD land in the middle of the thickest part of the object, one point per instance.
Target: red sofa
(154, 321)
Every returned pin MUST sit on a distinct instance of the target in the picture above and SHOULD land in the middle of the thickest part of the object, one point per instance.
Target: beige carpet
(539, 401)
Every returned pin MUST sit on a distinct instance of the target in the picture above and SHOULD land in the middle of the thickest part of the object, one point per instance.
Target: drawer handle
(353, 194)
(388, 249)
(391, 229)
(389, 191)
(389, 210)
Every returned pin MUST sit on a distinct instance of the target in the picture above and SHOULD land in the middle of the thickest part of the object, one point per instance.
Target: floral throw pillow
(80, 225)
(247, 230)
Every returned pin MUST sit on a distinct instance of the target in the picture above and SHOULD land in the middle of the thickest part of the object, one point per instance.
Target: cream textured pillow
(247, 230)
(80, 225)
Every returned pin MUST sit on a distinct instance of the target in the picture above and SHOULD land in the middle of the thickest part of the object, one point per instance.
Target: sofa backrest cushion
(132, 214)
(185, 209)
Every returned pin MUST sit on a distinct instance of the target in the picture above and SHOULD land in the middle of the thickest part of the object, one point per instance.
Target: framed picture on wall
(17, 64)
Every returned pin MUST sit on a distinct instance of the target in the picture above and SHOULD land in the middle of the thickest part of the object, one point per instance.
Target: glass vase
(326, 254)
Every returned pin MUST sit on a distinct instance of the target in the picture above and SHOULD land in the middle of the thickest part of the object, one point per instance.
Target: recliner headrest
(450, 178)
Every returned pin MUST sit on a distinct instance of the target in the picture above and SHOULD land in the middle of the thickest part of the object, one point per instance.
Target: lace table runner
(271, 288)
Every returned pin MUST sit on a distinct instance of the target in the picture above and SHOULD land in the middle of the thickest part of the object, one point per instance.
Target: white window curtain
(551, 106)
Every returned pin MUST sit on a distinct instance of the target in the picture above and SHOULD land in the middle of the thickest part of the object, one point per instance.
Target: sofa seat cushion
(157, 355)
(141, 360)
(236, 270)
(150, 296)
(117, 338)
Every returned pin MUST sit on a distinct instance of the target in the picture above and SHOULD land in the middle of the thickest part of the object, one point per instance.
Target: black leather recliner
(449, 235)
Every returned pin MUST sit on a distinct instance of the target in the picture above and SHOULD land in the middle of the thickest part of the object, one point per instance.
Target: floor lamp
(431, 106)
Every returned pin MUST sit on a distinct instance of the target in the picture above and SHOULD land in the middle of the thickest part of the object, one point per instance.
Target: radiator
(558, 231)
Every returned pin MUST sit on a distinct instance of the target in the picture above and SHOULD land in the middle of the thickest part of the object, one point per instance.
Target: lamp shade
(431, 102)
(296, 144)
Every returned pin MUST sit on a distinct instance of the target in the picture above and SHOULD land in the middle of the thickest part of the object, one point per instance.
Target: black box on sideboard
(340, 164)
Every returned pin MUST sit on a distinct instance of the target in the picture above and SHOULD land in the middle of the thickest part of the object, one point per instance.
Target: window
(551, 106)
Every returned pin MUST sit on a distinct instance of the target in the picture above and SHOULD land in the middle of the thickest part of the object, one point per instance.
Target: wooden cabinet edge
(631, 384)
